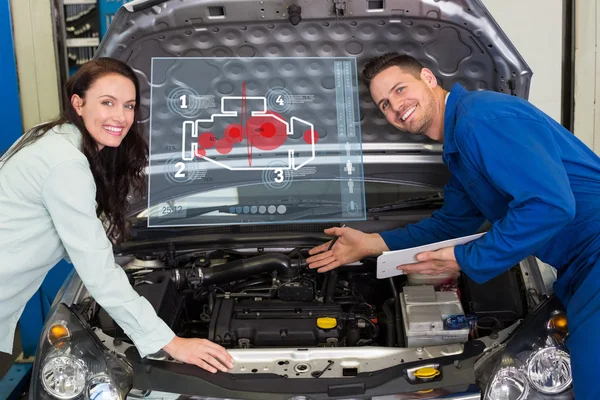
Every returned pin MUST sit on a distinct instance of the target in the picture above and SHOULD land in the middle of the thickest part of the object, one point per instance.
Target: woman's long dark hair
(116, 170)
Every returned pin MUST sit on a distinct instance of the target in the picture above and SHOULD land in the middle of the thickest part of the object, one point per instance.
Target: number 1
(183, 99)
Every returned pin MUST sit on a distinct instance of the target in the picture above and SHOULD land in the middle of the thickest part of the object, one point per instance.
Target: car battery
(431, 317)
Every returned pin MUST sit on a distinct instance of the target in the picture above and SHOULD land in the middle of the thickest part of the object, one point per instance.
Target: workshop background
(537, 30)
(43, 41)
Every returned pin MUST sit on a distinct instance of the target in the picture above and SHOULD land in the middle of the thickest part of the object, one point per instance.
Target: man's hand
(433, 263)
(352, 245)
(201, 352)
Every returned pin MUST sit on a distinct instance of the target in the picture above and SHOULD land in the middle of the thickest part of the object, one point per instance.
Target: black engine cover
(272, 323)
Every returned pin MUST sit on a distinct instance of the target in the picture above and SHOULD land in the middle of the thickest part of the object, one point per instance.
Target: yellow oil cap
(426, 373)
(326, 322)
(425, 391)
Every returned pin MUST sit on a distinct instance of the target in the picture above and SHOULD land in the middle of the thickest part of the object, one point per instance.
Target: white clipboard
(389, 260)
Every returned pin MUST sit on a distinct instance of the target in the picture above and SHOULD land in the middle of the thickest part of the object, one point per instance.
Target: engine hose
(331, 286)
(242, 269)
(324, 287)
(391, 326)
(250, 284)
(397, 315)
(229, 272)
(211, 301)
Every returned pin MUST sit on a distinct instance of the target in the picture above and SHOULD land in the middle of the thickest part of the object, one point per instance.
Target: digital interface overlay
(254, 140)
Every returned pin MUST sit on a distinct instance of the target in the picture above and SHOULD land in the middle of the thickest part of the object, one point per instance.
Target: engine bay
(260, 298)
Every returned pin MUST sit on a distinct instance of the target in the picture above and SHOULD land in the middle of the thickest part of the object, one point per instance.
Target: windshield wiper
(295, 209)
(413, 202)
(298, 209)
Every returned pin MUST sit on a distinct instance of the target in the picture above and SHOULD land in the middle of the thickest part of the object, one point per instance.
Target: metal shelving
(79, 28)
(77, 33)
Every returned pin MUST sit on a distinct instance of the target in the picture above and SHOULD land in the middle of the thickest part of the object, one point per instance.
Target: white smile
(113, 129)
(408, 113)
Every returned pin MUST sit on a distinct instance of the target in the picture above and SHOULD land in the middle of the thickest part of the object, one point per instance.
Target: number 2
(279, 177)
(183, 99)
(179, 173)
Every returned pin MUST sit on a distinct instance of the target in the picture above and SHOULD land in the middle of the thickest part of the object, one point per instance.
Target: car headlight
(549, 370)
(73, 364)
(533, 363)
(508, 384)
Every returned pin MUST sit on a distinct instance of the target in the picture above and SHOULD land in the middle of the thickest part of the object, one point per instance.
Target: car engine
(263, 299)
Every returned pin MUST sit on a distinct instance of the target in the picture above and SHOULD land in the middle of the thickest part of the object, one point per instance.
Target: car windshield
(253, 202)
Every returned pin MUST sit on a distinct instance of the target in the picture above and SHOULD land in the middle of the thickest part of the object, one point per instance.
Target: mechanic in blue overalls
(511, 164)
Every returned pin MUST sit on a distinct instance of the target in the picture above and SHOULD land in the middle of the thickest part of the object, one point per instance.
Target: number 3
(279, 177)
(179, 173)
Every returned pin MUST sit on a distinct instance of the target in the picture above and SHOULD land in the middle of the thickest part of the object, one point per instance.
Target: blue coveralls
(539, 186)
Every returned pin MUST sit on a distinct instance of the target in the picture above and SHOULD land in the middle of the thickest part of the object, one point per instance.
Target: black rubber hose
(324, 286)
(250, 284)
(229, 272)
(242, 269)
(397, 314)
(331, 286)
(211, 301)
(391, 326)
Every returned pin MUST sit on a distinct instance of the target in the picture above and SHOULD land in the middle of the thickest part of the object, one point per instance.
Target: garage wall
(539, 40)
(587, 73)
(542, 49)
(36, 62)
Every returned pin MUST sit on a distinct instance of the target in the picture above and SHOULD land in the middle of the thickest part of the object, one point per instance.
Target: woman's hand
(352, 245)
(201, 352)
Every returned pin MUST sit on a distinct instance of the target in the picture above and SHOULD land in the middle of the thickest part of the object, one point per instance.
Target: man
(511, 164)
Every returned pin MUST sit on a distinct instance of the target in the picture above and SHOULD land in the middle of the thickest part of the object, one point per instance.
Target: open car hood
(457, 39)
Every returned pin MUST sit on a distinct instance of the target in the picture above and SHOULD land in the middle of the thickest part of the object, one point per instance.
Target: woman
(55, 182)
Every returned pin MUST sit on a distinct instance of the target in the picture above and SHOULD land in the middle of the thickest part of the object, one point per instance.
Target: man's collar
(450, 117)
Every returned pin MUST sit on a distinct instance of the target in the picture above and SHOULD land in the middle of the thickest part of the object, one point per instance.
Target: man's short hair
(377, 64)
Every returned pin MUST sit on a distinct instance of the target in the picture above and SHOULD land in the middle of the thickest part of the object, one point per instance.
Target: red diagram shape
(224, 145)
(200, 153)
(308, 138)
(207, 140)
(264, 132)
(234, 132)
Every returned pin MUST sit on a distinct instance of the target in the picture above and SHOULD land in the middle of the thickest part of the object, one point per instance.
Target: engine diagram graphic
(265, 130)
(258, 140)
